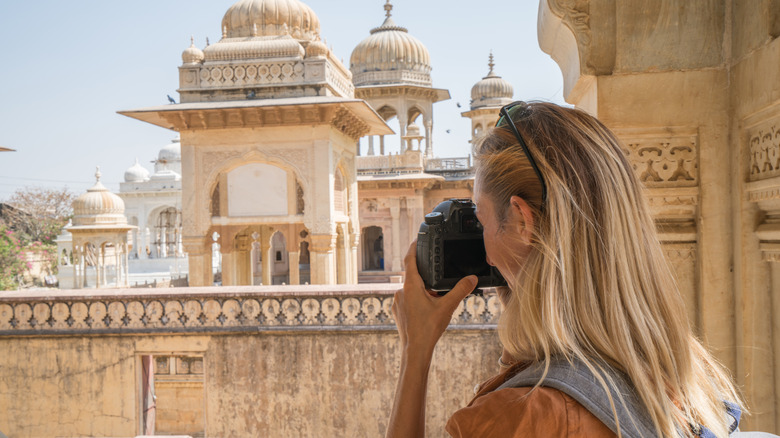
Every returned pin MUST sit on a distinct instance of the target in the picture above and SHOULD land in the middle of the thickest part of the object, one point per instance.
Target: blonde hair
(596, 285)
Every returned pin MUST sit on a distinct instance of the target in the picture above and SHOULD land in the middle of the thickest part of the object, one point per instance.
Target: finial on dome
(192, 41)
(388, 9)
(254, 29)
(491, 64)
(207, 41)
(97, 173)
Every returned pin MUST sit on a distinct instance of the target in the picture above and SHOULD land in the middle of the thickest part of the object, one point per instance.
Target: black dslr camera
(450, 247)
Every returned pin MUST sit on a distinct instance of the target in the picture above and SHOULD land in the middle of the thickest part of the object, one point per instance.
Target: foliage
(38, 214)
(12, 263)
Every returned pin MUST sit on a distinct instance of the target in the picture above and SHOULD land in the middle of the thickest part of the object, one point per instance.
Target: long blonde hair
(596, 285)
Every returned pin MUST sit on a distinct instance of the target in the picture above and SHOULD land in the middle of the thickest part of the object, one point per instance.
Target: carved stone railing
(456, 163)
(219, 309)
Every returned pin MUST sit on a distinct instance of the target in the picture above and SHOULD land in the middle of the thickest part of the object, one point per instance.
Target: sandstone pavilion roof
(98, 208)
(390, 55)
(269, 49)
(492, 90)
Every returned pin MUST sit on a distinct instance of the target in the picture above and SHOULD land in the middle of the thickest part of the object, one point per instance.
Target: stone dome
(316, 49)
(247, 18)
(390, 48)
(192, 54)
(136, 173)
(492, 90)
(98, 206)
(412, 130)
(170, 153)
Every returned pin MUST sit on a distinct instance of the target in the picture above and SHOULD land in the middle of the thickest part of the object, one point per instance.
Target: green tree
(11, 263)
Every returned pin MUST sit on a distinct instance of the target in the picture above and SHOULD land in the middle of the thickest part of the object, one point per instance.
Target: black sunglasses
(506, 117)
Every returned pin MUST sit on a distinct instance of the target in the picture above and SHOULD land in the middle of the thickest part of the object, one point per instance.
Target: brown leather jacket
(523, 412)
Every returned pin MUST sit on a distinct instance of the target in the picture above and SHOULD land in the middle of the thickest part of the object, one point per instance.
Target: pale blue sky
(68, 66)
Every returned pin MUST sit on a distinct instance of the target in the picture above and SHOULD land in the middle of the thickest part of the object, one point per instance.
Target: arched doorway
(373, 249)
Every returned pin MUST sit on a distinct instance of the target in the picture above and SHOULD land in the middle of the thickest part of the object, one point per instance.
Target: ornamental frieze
(663, 160)
(764, 141)
(169, 312)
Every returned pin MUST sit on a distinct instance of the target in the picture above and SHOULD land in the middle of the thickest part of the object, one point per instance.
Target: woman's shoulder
(524, 412)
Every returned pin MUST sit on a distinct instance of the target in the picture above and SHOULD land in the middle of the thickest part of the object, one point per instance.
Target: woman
(565, 222)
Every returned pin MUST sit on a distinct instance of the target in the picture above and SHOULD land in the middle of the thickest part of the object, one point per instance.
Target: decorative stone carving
(764, 140)
(664, 161)
(349, 124)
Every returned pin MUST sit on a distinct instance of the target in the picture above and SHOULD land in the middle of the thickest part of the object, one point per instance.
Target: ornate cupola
(492, 90)
(487, 98)
(391, 70)
(390, 55)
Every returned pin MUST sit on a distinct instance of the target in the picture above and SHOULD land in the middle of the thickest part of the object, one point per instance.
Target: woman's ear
(522, 216)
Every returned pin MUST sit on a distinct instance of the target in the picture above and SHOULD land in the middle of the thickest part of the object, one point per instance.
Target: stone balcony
(282, 361)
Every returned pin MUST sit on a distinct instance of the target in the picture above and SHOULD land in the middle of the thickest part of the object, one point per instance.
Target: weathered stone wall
(311, 362)
(706, 71)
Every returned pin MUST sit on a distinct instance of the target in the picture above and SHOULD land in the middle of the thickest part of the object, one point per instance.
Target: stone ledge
(220, 310)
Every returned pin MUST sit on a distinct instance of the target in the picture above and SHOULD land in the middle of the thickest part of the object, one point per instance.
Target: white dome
(136, 173)
(492, 90)
(247, 18)
(390, 50)
(170, 153)
(98, 206)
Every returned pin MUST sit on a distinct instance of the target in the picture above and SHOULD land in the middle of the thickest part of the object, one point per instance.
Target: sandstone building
(692, 89)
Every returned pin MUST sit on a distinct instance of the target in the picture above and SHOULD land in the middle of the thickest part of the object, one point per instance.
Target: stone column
(354, 244)
(76, 267)
(322, 258)
(199, 260)
(228, 266)
(342, 264)
(381, 145)
(396, 250)
(266, 249)
(117, 266)
(295, 272)
(771, 254)
(429, 138)
(127, 269)
(370, 145)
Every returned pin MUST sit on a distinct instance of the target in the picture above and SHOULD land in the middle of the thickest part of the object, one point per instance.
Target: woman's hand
(421, 315)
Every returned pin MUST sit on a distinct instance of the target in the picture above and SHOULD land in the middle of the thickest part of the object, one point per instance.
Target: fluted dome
(492, 90)
(248, 18)
(390, 55)
(192, 54)
(98, 207)
(136, 173)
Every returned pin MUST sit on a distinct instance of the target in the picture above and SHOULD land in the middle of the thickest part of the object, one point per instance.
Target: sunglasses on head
(506, 119)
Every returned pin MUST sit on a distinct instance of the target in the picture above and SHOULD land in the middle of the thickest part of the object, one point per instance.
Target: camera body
(450, 247)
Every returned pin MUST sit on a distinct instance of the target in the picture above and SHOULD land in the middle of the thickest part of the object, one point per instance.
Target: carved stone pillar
(395, 213)
(322, 258)
(199, 261)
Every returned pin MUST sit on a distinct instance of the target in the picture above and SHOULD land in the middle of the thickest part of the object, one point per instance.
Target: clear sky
(68, 66)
